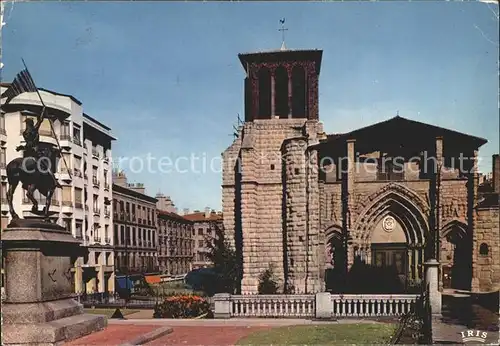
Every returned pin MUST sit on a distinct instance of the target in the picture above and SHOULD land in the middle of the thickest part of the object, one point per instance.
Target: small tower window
(272, 167)
(297, 171)
(483, 249)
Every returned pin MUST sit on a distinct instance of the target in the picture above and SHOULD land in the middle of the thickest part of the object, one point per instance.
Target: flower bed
(182, 306)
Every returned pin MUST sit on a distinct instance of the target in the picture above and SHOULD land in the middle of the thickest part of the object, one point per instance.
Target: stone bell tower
(267, 172)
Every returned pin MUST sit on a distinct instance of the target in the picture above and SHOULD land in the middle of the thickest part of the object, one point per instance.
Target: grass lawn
(325, 334)
(109, 312)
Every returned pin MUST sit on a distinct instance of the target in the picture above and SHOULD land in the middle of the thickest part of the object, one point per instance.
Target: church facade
(314, 207)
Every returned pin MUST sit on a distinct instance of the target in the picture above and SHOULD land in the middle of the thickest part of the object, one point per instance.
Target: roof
(133, 193)
(96, 121)
(410, 130)
(200, 217)
(490, 200)
(169, 215)
(6, 85)
(282, 55)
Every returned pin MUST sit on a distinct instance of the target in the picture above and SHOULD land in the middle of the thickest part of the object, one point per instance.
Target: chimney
(207, 212)
(496, 173)
(185, 211)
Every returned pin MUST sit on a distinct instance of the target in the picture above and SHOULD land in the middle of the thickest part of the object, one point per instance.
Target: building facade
(175, 243)
(82, 204)
(134, 229)
(205, 224)
(388, 196)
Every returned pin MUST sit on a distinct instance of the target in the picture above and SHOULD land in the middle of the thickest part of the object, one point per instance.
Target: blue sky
(166, 77)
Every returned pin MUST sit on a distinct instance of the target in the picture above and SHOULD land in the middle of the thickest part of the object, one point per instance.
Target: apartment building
(82, 206)
(175, 239)
(204, 228)
(135, 234)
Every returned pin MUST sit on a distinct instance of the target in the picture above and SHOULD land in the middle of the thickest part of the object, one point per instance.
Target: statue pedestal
(39, 308)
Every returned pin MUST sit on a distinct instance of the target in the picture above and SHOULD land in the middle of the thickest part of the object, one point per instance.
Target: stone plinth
(431, 277)
(39, 308)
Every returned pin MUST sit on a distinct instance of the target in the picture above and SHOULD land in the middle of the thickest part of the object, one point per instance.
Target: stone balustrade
(321, 305)
(360, 305)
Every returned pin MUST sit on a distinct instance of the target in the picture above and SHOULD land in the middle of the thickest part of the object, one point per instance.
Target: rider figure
(32, 140)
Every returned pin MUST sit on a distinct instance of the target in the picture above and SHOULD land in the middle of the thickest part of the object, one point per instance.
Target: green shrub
(267, 282)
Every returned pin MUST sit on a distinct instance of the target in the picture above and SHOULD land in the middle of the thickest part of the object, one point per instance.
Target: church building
(316, 207)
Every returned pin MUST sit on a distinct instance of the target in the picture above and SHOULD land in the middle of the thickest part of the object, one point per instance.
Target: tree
(267, 282)
(225, 261)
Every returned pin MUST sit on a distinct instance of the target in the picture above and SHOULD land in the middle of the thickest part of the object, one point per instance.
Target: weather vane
(283, 29)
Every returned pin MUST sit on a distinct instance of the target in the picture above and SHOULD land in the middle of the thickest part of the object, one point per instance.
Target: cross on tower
(283, 29)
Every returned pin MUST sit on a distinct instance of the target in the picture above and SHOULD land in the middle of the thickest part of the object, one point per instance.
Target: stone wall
(260, 204)
(486, 260)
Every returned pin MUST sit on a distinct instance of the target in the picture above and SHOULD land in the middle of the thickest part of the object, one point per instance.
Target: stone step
(53, 332)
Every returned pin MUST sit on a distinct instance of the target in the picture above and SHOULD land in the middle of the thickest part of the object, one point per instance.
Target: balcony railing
(95, 181)
(3, 165)
(95, 153)
(77, 172)
(106, 159)
(79, 235)
(107, 213)
(65, 137)
(107, 240)
(106, 186)
(97, 239)
(3, 131)
(67, 203)
(46, 133)
(96, 211)
(79, 205)
(41, 200)
(87, 238)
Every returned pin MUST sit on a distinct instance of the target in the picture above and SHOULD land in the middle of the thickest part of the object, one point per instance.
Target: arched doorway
(390, 234)
(455, 256)
(334, 259)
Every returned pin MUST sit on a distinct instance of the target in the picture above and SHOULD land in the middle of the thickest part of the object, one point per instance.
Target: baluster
(378, 307)
(285, 302)
(398, 301)
(259, 307)
(275, 308)
(280, 304)
(371, 308)
(355, 307)
(384, 307)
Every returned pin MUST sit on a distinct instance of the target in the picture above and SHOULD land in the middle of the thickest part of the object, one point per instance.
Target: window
(483, 249)
(3, 158)
(78, 197)
(96, 203)
(201, 243)
(272, 167)
(106, 231)
(200, 231)
(76, 135)
(67, 225)
(66, 196)
(389, 169)
(65, 135)
(78, 230)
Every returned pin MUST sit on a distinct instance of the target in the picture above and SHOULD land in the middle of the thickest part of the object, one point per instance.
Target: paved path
(140, 315)
(206, 336)
(114, 335)
(233, 322)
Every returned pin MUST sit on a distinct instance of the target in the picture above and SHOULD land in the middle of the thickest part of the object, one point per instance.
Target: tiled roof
(200, 217)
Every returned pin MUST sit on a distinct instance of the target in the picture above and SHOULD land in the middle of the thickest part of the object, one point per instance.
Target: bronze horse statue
(35, 170)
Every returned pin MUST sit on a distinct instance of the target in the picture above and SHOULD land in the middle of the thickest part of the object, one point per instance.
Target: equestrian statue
(35, 170)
